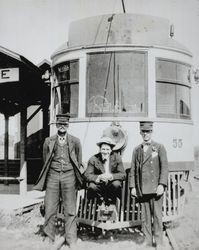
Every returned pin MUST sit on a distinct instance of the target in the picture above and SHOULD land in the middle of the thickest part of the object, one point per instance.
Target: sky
(36, 28)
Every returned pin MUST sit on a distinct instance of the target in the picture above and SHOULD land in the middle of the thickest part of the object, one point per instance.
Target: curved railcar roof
(124, 29)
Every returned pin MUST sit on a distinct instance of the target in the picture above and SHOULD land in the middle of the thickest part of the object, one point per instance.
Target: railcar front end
(124, 68)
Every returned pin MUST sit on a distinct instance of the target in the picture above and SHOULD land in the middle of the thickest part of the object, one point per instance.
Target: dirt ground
(186, 229)
(23, 232)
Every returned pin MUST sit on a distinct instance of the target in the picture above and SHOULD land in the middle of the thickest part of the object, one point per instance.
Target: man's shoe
(146, 245)
(159, 247)
(139, 239)
(47, 240)
(100, 201)
(73, 245)
(65, 247)
(58, 243)
(108, 202)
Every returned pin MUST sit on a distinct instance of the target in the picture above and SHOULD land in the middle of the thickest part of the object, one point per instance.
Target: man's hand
(98, 179)
(160, 190)
(104, 178)
(133, 192)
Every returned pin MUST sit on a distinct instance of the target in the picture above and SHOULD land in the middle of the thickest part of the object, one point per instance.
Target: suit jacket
(75, 154)
(148, 171)
(95, 167)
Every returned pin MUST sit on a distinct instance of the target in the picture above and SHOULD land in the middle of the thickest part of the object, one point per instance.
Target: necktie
(146, 143)
(104, 160)
(145, 146)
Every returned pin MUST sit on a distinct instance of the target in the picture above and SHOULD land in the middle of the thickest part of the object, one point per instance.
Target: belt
(61, 170)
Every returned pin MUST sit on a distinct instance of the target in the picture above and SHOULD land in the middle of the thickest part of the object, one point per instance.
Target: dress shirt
(146, 145)
(62, 140)
(106, 166)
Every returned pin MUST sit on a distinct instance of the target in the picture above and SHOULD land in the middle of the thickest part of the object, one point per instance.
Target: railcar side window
(117, 84)
(66, 88)
(173, 89)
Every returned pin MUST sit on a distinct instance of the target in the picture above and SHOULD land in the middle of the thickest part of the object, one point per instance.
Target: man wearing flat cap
(61, 177)
(148, 179)
(105, 172)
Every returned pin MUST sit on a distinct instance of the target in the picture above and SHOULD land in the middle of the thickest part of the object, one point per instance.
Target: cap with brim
(106, 140)
(146, 126)
(62, 118)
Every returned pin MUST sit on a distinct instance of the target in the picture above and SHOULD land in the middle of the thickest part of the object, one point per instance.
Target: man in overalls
(148, 179)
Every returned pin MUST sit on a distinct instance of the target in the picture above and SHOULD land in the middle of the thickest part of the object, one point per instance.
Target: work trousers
(152, 218)
(110, 190)
(61, 185)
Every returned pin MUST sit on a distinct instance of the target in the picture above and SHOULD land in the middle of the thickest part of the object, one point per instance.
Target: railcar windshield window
(173, 89)
(116, 84)
(66, 88)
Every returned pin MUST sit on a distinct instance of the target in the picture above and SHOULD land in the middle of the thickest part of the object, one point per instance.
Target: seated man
(105, 172)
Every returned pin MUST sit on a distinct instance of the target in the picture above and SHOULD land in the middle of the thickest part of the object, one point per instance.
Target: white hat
(106, 140)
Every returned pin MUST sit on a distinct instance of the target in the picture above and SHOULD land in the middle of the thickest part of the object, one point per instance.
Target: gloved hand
(160, 190)
(133, 192)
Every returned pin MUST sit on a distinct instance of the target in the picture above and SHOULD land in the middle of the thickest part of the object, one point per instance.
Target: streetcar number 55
(177, 143)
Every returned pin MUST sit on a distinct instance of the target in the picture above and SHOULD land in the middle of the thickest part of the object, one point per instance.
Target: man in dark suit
(105, 172)
(60, 177)
(148, 179)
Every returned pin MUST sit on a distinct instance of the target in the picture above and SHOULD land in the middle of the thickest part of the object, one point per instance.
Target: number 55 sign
(177, 143)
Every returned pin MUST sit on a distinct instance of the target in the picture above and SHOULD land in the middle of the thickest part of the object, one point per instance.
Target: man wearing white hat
(104, 172)
(148, 179)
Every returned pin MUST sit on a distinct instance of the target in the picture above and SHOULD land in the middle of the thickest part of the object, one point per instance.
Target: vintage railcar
(124, 68)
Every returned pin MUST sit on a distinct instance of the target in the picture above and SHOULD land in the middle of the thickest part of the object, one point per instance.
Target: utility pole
(23, 145)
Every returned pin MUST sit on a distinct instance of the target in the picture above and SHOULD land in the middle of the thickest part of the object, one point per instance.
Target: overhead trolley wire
(123, 6)
(110, 20)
